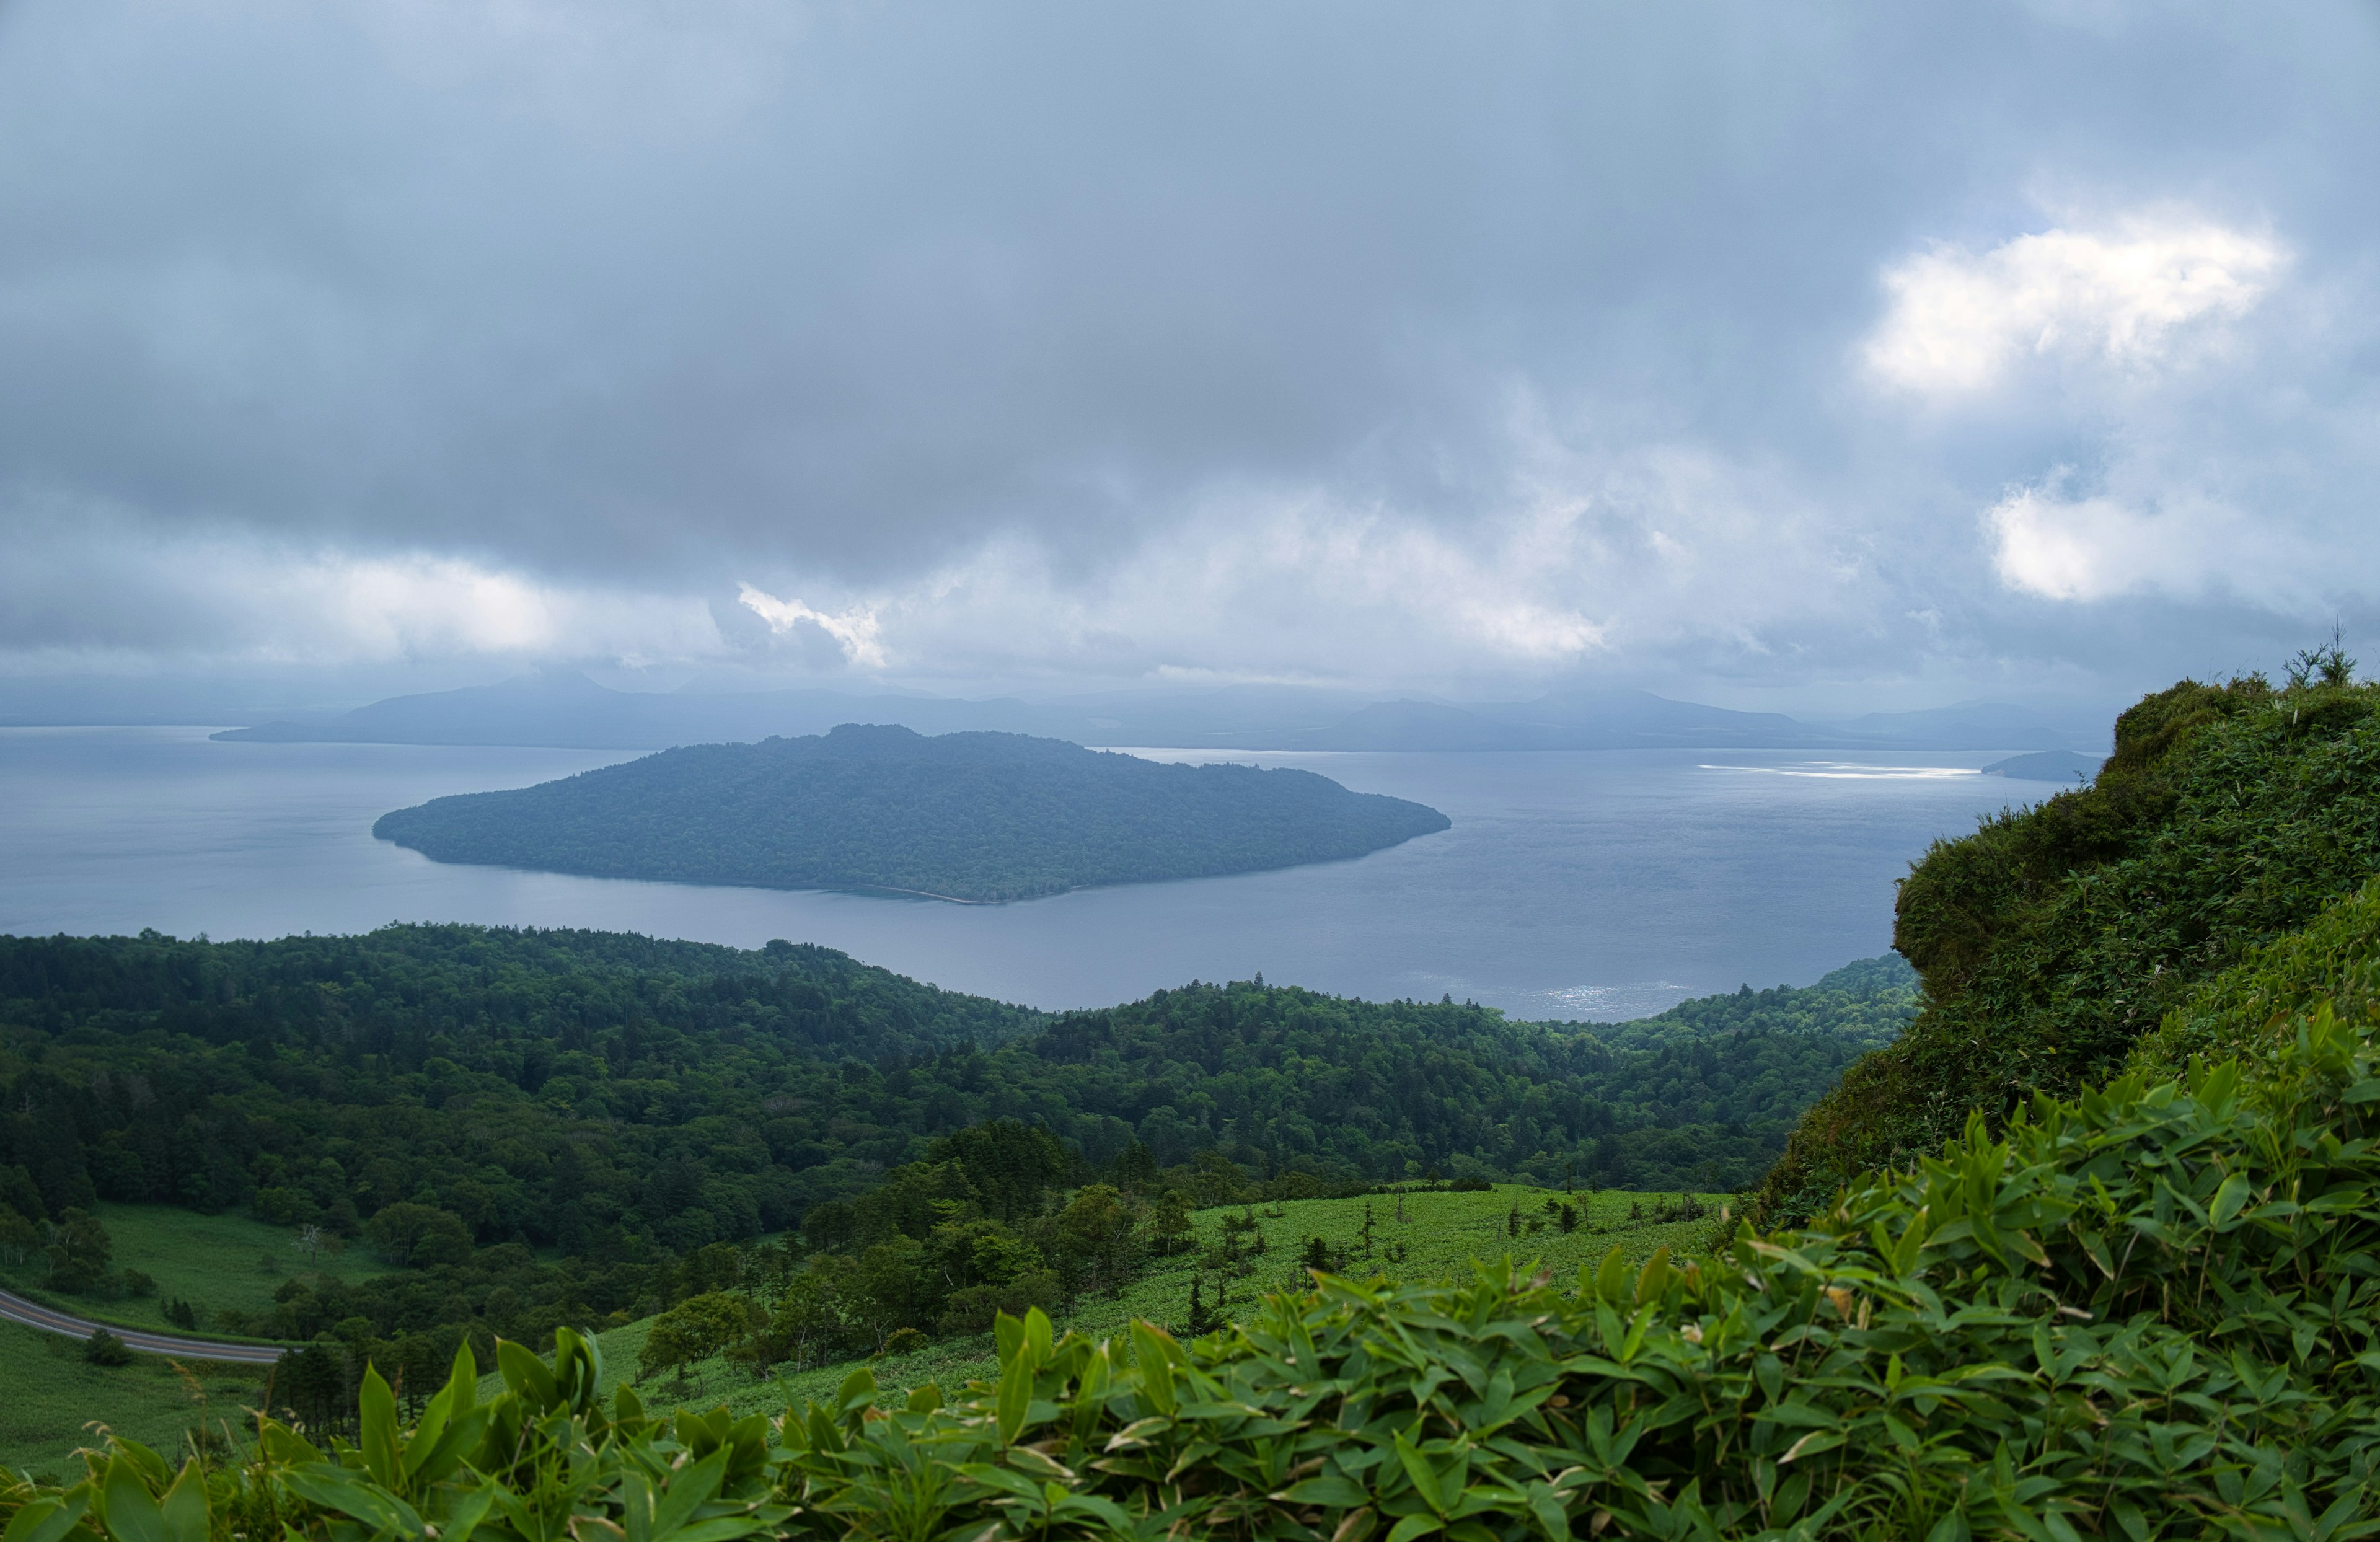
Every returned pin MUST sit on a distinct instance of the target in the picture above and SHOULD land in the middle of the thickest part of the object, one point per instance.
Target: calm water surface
(1593, 884)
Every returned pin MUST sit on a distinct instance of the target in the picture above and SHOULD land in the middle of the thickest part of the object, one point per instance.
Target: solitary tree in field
(695, 1329)
(1204, 1319)
(309, 1241)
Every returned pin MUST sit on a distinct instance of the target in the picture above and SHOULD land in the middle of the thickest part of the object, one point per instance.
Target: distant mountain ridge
(568, 710)
(971, 817)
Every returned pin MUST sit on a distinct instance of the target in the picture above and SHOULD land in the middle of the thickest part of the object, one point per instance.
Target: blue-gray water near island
(1574, 884)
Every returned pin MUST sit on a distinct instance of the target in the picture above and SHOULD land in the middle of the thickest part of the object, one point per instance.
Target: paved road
(15, 1308)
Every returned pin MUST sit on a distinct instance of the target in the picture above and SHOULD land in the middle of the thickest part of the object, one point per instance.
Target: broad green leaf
(2229, 1198)
(376, 1421)
(1612, 1279)
(185, 1506)
(127, 1507)
(1654, 1279)
(1330, 1489)
(1015, 1402)
(336, 1488)
(1008, 1334)
(688, 1492)
(47, 1519)
(1149, 1344)
(463, 1516)
(1423, 1476)
(1813, 1444)
(526, 1374)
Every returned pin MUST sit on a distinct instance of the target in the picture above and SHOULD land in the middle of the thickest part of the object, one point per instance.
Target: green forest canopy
(625, 1101)
(977, 817)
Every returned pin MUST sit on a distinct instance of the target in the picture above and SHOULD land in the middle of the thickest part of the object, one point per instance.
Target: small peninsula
(978, 817)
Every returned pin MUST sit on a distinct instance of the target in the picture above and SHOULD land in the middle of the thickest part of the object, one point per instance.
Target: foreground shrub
(103, 1348)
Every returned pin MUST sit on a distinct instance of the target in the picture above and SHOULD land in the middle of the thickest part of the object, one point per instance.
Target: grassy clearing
(52, 1394)
(1440, 1236)
(215, 1261)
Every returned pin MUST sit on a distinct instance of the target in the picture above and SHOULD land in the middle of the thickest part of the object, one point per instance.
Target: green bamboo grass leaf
(2229, 1200)
(47, 1519)
(1653, 1281)
(1813, 1444)
(1015, 1401)
(690, 1489)
(852, 1398)
(1612, 1276)
(528, 1377)
(336, 1488)
(1153, 1352)
(441, 1409)
(376, 1416)
(1422, 1476)
(129, 1509)
(184, 1509)
(465, 1514)
(1330, 1490)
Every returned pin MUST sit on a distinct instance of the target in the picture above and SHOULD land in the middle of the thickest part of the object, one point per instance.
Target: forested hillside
(456, 1098)
(961, 816)
(2053, 938)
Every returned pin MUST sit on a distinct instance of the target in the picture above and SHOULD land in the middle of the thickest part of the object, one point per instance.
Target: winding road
(15, 1308)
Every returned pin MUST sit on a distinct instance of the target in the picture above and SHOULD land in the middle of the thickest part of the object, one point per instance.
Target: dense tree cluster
(962, 816)
(589, 1091)
(459, 1099)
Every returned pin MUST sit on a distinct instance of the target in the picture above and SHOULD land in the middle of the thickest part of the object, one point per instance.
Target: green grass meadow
(1441, 1233)
(214, 1261)
(54, 1394)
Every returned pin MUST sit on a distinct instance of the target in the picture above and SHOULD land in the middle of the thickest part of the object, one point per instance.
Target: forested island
(980, 817)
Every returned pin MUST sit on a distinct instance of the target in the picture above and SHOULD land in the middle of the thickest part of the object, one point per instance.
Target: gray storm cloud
(1358, 342)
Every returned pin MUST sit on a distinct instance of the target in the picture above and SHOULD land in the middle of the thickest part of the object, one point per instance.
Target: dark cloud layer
(1425, 343)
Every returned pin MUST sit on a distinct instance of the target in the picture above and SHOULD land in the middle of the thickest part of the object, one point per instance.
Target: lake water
(1595, 884)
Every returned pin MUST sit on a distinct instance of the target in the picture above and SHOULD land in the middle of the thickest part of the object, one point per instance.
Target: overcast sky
(1759, 350)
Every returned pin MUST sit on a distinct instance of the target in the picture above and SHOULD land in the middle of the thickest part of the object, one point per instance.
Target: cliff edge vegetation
(2048, 941)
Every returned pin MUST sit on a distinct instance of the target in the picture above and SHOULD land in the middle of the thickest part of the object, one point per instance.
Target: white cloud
(1959, 321)
(2097, 547)
(856, 631)
(2081, 549)
(99, 583)
(1590, 553)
